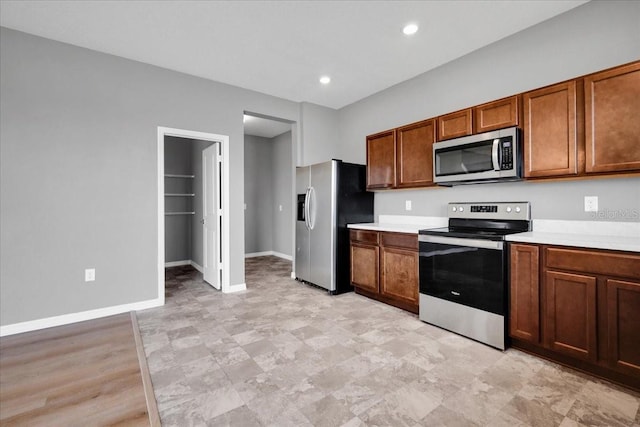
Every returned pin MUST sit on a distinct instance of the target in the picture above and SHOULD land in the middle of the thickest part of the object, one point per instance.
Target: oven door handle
(457, 241)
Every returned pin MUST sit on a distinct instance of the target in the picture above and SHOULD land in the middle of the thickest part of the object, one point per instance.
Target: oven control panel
(494, 210)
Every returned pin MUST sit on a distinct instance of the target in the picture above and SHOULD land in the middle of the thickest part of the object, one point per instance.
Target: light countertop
(618, 236)
(402, 223)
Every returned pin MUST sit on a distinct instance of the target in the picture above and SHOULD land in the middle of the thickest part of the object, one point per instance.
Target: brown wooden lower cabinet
(570, 314)
(399, 274)
(623, 325)
(585, 305)
(524, 317)
(364, 266)
(384, 266)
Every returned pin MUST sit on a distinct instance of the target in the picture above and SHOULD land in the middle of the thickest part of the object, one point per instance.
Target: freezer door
(322, 219)
(301, 267)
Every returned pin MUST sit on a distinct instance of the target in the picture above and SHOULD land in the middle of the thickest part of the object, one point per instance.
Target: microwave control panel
(506, 153)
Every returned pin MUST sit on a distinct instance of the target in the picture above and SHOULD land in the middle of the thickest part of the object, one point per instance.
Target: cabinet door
(399, 278)
(570, 314)
(415, 154)
(499, 114)
(456, 124)
(364, 266)
(381, 160)
(612, 120)
(524, 310)
(623, 326)
(550, 135)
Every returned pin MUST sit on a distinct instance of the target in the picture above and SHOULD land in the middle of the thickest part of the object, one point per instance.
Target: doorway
(176, 190)
(268, 193)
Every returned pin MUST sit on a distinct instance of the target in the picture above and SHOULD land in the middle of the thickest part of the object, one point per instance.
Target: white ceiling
(281, 48)
(266, 128)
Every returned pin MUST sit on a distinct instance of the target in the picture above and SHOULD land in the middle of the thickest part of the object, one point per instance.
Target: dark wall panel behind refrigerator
(354, 205)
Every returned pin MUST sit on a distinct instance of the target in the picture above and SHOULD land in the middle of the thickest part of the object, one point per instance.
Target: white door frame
(224, 145)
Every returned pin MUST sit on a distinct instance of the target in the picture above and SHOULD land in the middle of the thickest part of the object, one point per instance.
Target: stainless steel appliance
(330, 195)
(463, 269)
(486, 157)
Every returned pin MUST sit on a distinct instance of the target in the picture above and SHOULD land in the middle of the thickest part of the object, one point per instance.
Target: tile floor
(287, 354)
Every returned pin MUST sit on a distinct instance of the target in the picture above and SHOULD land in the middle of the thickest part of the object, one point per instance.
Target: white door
(212, 263)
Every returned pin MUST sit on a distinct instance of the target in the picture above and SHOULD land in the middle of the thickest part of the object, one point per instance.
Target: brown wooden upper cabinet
(499, 114)
(381, 160)
(586, 126)
(414, 148)
(550, 131)
(612, 119)
(454, 125)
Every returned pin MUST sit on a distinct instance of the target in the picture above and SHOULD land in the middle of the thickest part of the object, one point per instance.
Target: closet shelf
(179, 194)
(179, 213)
(171, 175)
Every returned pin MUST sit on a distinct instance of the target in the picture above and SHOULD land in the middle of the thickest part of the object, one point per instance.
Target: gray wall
(177, 228)
(588, 38)
(320, 134)
(283, 194)
(78, 171)
(258, 194)
(268, 187)
(196, 220)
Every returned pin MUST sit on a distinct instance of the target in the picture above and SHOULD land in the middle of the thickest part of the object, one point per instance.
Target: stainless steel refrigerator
(330, 195)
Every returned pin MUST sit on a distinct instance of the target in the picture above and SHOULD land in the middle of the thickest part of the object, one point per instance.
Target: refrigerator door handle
(306, 209)
(312, 208)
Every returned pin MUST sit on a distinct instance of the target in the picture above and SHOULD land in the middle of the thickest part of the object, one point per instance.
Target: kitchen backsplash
(618, 199)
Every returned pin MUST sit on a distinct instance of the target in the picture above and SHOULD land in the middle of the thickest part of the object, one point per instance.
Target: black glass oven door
(454, 270)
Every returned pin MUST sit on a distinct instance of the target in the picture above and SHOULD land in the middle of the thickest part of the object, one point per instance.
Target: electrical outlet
(90, 275)
(591, 203)
(407, 205)
(245, 206)
(280, 208)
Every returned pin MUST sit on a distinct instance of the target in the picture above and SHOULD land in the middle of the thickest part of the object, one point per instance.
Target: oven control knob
(508, 209)
(461, 209)
(454, 209)
(517, 209)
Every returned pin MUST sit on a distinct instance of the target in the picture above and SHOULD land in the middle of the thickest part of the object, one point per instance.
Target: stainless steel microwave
(486, 157)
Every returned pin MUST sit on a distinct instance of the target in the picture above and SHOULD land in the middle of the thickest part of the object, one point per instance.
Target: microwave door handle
(494, 154)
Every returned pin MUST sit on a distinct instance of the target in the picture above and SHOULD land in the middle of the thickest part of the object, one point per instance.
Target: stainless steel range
(463, 269)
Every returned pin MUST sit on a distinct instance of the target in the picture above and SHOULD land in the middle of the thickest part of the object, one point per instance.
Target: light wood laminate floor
(87, 373)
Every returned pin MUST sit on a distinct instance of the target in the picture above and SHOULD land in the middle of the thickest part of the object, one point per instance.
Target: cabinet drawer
(617, 264)
(400, 240)
(367, 236)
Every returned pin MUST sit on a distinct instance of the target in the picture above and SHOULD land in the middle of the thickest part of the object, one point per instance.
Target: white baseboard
(283, 256)
(185, 262)
(236, 288)
(197, 266)
(177, 263)
(65, 319)
(268, 253)
(257, 254)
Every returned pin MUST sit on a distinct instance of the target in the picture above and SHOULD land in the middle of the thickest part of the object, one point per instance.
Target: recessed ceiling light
(325, 80)
(410, 29)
